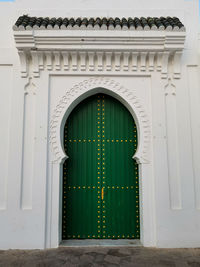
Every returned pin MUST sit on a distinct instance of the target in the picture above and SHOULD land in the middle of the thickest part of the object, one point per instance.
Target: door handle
(102, 193)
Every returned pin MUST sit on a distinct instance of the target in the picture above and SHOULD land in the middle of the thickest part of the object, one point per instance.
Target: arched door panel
(100, 178)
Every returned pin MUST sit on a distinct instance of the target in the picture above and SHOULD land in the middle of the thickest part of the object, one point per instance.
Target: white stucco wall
(174, 226)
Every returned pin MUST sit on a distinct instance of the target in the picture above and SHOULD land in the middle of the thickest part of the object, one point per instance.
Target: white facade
(37, 96)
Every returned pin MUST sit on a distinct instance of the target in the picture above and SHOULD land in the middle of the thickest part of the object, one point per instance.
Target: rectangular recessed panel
(122, 213)
(80, 213)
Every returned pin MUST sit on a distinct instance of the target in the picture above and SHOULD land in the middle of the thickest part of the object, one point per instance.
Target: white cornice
(100, 50)
(139, 40)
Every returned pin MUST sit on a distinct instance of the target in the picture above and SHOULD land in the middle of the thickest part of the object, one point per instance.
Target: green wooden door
(100, 178)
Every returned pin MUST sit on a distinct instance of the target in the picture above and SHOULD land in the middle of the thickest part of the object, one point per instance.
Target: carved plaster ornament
(142, 153)
(132, 52)
(116, 53)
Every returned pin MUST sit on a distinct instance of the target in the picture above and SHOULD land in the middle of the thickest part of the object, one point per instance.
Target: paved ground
(101, 256)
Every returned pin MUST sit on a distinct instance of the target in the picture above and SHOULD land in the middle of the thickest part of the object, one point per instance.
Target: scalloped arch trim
(115, 89)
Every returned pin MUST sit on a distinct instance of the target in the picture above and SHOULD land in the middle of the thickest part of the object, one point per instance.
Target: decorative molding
(27, 168)
(25, 23)
(129, 96)
(90, 51)
(172, 146)
(23, 62)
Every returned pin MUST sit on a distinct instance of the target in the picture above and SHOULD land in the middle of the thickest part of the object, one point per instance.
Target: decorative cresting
(151, 23)
(129, 96)
(94, 51)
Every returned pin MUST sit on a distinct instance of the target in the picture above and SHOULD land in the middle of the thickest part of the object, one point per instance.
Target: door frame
(129, 99)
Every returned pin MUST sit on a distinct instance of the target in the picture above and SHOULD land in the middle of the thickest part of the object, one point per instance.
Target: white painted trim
(91, 86)
(110, 50)
(72, 97)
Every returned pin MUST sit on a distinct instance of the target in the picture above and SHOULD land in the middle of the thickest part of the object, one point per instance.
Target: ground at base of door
(101, 256)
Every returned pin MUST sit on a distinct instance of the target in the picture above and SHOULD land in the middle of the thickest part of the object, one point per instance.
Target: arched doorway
(100, 178)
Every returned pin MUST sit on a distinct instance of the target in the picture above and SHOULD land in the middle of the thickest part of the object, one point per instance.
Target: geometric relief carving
(27, 171)
(172, 146)
(129, 96)
(90, 51)
(91, 61)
